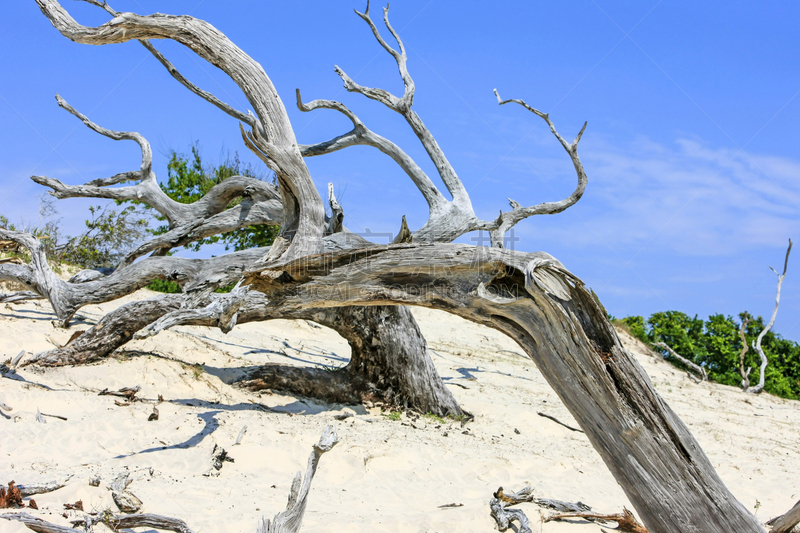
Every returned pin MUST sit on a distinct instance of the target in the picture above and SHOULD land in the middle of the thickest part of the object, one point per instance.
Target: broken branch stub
(290, 520)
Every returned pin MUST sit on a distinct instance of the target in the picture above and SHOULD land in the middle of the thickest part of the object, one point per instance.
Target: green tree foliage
(110, 235)
(189, 180)
(715, 344)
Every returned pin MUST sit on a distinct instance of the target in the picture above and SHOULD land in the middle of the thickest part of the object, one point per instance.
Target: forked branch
(272, 139)
(448, 219)
(757, 344)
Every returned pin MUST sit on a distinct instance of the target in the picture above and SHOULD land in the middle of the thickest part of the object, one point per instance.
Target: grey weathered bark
(530, 297)
(560, 325)
(757, 344)
(389, 358)
(272, 139)
(697, 368)
(388, 362)
(290, 520)
(190, 222)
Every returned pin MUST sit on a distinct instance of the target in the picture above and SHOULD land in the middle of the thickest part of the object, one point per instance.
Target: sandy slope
(384, 475)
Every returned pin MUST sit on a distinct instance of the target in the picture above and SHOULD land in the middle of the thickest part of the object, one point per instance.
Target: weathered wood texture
(561, 326)
(290, 520)
(389, 357)
(389, 361)
(625, 520)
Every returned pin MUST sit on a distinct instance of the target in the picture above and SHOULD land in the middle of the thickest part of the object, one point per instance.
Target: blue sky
(691, 147)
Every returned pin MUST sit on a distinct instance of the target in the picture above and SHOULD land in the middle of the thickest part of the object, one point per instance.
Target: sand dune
(384, 475)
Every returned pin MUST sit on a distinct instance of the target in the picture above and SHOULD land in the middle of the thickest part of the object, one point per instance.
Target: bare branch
(400, 57)
(248, 119)
(222, 311)
(757, 344)
(786, 522)
(361, 135)
(697, 368)
(337, 213)
(744, 373)
(518, 213)
(625, 520)
(147, 153)
(273, 139)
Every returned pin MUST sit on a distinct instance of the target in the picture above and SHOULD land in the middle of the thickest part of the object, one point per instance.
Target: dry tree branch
(272, 139)
(625, 520)
(290, 520)
(786, 522)
(757, 344)
(447, 219)
(507, 220)
(238, 115)
(697, 368)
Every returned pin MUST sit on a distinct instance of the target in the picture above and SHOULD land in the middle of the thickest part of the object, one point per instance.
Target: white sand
(384, 475)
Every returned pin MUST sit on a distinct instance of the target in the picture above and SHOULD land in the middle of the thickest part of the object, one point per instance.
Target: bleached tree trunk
(560, 325)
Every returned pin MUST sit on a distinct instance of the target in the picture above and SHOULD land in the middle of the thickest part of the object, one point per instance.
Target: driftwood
(786, 522)
(128, 393)
(697, 368)
(504, 517)
(11, 497)
(625, 520)
(757, 344)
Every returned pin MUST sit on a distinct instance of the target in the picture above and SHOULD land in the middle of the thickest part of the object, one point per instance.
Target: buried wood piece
(290, 520)
(513, 498)
(757, 344)
(786, 522)
(504, 516)
(241, 435)
(29, 489)
(557, 421)
(625, 520)
(124, 392)
(20, 296)
(126, 501)
(36, 524)
(11, 498)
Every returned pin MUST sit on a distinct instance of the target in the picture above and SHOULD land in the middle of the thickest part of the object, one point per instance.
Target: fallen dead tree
(530, 297)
